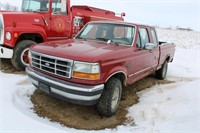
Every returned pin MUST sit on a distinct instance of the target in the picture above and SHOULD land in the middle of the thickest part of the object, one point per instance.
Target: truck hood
(22, 19)
(89, 51)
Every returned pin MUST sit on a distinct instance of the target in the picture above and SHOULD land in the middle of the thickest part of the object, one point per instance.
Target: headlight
(8, 36)
(84, 70)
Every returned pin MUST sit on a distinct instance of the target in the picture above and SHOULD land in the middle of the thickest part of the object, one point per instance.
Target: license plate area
(44, 87)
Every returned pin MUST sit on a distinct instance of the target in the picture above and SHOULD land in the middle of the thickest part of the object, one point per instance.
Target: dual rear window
(143, 38)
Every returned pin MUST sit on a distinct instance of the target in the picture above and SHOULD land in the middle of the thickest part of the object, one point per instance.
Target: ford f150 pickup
(94, 67)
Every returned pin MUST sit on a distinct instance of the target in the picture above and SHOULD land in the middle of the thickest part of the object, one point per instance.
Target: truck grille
(54, 65)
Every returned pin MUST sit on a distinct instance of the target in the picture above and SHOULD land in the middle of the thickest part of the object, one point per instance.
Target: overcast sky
(165, 13)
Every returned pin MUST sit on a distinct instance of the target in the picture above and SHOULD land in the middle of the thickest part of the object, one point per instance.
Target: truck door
(60, 25)
(154, 40)
(142, 59)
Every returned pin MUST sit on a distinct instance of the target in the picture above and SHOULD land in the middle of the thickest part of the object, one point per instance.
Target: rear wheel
(110, 98)
(162, 72)
(20, 55)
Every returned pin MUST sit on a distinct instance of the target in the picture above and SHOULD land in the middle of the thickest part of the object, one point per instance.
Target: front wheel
(20, 55)
(110, 98)
(162, 72)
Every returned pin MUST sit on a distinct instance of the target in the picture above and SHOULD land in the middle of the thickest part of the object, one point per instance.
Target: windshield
(117, 33)
(35, 5)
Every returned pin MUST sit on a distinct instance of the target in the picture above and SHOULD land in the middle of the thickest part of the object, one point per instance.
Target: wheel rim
(115, 98)
(24, 57)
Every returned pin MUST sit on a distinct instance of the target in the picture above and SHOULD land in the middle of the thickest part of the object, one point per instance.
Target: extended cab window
(153, 33)
(138, 43)
(144, 38)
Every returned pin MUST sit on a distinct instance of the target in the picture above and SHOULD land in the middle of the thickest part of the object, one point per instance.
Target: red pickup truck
(94, 67)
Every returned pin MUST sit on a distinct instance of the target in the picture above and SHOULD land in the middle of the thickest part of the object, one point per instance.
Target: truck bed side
(166, 53)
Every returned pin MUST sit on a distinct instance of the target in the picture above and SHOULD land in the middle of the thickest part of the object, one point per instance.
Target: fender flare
(117, 70)
(27, 30)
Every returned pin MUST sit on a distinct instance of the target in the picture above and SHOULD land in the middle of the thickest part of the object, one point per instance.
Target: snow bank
(168, 108)
(181, 38)
(16, 107)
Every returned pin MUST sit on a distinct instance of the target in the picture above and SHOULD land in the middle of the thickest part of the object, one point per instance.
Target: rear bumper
(6, 52)
(71, 92)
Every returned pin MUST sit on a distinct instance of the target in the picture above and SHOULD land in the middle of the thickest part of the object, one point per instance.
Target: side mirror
(150, 46)
(123, 14)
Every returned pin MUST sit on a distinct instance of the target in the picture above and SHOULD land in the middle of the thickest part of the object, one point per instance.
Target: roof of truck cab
(121, 22)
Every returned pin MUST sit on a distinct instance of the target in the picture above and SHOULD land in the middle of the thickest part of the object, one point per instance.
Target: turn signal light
(15, 35)
(86, 75)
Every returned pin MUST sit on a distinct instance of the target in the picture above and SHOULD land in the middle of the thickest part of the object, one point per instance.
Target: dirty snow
(170, 108)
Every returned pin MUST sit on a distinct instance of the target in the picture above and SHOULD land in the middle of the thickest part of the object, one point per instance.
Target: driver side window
(144, 38)
(59, 7)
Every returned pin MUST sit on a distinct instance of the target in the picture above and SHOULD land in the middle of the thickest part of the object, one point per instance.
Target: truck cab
(55, 14)
(43, 21)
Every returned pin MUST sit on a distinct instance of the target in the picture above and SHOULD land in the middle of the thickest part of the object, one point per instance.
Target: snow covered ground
(170, 108)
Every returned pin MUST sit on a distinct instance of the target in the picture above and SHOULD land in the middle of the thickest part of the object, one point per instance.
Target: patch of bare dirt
(7, 67)
(86, 117)
(83, 117)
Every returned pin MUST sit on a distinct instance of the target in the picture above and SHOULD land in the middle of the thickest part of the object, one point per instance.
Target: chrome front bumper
(5, 52)
(71, 92)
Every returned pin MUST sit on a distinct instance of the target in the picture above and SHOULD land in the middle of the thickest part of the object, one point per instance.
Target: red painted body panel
(88, 51)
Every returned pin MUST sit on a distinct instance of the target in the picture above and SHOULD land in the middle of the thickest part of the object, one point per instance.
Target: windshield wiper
(108, 41)
(81, 38)
(111, 41)
(102, 39)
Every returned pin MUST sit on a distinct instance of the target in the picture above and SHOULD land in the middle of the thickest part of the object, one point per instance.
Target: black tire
(108, 103)
(162, 72)
(19, 60)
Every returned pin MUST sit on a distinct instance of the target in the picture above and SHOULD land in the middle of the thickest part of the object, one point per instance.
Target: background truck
(41, 21)
(94, 67)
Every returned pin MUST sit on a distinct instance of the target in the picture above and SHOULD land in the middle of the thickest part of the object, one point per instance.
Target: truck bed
(166, 52)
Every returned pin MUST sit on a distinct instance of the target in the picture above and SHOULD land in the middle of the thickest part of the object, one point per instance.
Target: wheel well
(121, 76)
(168, 59)
(34, 37)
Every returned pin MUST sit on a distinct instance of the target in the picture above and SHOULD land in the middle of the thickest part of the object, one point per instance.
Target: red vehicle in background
(41, 21)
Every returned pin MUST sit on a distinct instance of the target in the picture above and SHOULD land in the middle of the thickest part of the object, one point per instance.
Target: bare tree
(8, 7)
(15, 8)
